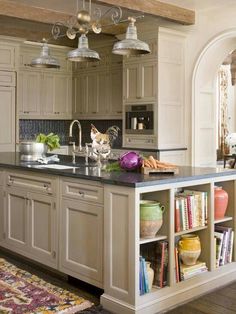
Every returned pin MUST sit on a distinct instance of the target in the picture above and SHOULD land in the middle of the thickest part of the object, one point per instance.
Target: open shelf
(156, 238)
(223, 220)
(190, 230)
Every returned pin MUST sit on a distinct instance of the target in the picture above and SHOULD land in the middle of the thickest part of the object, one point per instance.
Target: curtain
(223, 83)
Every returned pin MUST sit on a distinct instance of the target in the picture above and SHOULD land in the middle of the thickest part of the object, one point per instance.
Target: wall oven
(139, 119)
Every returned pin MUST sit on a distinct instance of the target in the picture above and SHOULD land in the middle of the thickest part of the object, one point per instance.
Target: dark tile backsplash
(28, 129)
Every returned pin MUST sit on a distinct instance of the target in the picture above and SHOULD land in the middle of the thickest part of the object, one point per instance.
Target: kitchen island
(84, 222)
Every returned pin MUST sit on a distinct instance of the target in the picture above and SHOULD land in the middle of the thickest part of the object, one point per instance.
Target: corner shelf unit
(160, 299)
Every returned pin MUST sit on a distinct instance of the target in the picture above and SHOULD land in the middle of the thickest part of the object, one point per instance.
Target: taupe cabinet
(31, 217)
(140, 81)
(158, 79)
(97, 88)
(8, 66)
(44, 93)
(58, 227)
(81, 231)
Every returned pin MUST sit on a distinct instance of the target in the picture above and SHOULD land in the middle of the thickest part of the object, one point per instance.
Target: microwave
(139, 119)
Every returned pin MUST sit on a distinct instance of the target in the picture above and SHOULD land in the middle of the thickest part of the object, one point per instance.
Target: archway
(203, 97)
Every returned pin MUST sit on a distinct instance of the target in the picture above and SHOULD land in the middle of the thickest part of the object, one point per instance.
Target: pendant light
(45, 60)
(83, 53)
(131, 45)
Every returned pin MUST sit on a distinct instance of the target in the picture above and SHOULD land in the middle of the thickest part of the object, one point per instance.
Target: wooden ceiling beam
(30, 13)
(156, 8)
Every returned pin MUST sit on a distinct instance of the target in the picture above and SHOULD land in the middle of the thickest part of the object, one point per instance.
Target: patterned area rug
(21, 292)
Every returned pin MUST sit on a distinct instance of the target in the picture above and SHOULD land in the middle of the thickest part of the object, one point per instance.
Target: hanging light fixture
(131, 45)
(81, 24)
(83, 53)
(45, 60)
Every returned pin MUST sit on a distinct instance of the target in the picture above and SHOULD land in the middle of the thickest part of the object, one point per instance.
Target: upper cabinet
(158, 79)
(97, 87)
(140, 81)
(44, 93)
(8, 53)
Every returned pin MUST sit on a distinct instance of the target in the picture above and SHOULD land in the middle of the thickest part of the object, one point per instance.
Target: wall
(209, 25)
(28, 129)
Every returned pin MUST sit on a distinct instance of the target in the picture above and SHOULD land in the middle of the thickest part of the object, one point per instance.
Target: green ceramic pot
(151, 218)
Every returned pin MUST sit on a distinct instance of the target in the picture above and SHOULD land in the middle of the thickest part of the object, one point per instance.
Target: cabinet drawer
(7, 78)
(140, 142)
(33, 183)
(82, 191)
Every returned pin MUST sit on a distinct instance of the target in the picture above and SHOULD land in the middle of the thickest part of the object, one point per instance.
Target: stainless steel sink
(55, 166)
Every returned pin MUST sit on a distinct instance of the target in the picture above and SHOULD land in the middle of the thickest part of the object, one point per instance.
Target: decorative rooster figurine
(101, 139)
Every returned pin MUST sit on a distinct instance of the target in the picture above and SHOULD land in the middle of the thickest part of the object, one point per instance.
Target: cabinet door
(102, 92)
(56, 95)
(29, 93)
(16, 219)
(148, 74)
(116, 91)
(82, 240)
(42, 228)
(7, 118)
(63, 96)
(2, 215)
(48, 94)
(79, 94)
(91, 93)
(131, 83)
(7, 57)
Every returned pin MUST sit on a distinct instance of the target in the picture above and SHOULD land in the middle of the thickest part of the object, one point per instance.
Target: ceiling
(199, 5)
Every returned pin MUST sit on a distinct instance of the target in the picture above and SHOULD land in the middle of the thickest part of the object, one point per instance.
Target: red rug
(22, 292)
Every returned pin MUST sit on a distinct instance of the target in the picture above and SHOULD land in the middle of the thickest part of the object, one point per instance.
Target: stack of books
(224, 240)
(143, 276)
(157, 254)
(184, 272)
(190, 210)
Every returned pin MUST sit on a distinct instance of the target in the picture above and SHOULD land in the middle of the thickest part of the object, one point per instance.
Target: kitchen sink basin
(55, 166)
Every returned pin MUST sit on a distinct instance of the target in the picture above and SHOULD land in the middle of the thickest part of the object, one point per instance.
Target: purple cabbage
(130, 161)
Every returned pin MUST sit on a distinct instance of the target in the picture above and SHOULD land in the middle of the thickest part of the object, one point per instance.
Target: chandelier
(85, 21)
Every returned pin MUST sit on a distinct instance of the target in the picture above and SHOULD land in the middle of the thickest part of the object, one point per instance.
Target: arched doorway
(203, 97)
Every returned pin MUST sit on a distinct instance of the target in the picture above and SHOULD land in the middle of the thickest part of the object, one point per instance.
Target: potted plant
(52, 141)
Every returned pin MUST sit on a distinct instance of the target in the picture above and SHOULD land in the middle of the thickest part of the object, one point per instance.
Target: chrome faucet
(74, 149)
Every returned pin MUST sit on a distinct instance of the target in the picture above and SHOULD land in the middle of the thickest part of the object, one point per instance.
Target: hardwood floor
(220, 301)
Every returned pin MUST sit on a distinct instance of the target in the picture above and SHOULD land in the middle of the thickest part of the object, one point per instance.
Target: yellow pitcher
(189, 248)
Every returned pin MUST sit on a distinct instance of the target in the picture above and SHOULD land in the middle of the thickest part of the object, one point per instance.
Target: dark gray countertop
(131, 179)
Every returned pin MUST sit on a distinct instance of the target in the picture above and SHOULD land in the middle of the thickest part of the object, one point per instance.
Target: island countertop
(131, 179)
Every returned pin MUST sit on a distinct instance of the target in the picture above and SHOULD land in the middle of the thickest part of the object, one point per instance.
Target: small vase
(221, 202)
(189, 249)
(151, 220)
(150, 274)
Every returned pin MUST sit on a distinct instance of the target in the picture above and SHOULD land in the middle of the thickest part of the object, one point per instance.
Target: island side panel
(120, 238)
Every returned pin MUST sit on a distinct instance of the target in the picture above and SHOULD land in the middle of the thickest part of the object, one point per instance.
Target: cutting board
(147, 170)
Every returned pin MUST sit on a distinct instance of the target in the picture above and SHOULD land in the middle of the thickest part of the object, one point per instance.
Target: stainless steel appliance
(139, 119)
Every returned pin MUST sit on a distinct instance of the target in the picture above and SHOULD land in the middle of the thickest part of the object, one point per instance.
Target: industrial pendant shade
(131, 45)
(45, 60)
(83, 53)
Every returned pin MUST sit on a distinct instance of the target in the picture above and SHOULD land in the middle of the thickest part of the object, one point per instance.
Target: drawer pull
(81, 194)
(10, 182)
(47, 188)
